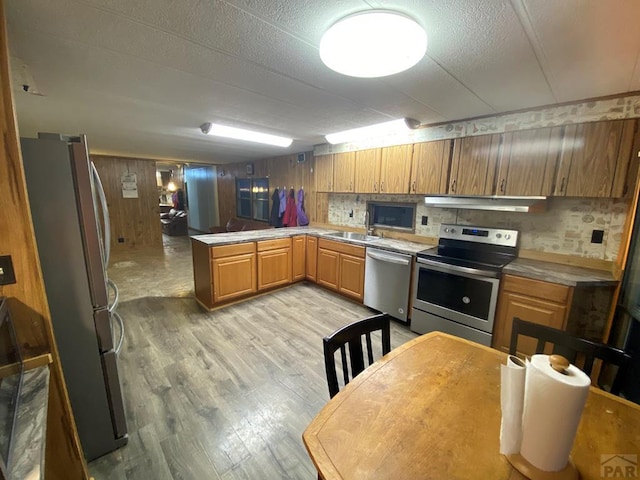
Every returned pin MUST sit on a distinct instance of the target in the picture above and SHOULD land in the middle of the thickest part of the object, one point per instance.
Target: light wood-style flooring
(224, 394)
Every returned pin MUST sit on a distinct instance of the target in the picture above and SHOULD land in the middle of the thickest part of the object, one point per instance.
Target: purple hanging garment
(302, 216)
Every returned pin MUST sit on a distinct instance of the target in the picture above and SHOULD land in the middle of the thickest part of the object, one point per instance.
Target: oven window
(394, 215)
(470, 296)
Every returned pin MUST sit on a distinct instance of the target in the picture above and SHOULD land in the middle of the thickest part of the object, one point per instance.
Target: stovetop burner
(474, 247)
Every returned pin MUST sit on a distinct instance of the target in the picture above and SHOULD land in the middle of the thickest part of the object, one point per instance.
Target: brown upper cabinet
(324, 173)
(368, 170)
(430, 167)
(344, 170)
(395, 169)
(594, 159)
(473, 166)
(528, 161)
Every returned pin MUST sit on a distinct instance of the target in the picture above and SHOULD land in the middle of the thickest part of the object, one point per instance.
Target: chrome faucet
(368, 230)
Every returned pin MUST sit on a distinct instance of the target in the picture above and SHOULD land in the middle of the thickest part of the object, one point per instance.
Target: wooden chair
(351, 335)
(571, 347)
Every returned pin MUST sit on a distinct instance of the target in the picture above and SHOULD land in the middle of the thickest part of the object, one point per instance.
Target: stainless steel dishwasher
(386, 282)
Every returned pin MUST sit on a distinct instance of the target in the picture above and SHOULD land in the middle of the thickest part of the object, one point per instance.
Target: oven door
(460, 294)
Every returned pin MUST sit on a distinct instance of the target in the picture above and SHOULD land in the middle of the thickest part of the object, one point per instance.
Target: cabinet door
(328, 268)
(298, 250)
(395, 169)
(430, 167)
(233, 276)
(526, 308)
(473, 166)
(594, 159)
(274, 268)
(312, 258)
(344, 166)
(351, 276)
(528, 162)
(324, 173)
(368, 170)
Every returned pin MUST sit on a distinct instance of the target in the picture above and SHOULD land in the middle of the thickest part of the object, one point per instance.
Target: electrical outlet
(597, 236)
(351, 214)
(120, 239)
(7, 275)
(425, 219)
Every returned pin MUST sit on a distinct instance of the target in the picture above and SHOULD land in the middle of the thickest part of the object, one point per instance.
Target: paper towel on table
(512, 380)
(553, 405)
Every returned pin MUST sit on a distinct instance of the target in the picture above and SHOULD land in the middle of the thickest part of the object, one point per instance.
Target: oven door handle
(446, 268)
(397, 259)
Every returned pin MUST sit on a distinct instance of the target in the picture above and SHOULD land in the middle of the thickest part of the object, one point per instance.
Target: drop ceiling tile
(483, 45)
(589, 52)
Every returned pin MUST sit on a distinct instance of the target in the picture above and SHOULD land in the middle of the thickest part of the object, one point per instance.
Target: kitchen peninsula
(231, 266)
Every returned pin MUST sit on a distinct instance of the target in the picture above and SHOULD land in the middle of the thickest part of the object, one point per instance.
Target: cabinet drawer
(231, 250)
(265, 245)
(341, 247)
(536, 288)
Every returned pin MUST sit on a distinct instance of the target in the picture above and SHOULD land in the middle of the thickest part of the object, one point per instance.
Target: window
(252, 198)
(392, 215)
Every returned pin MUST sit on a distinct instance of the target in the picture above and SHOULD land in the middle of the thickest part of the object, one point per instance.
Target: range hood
(493, 202)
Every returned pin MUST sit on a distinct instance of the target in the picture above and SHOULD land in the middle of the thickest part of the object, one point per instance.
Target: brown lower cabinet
(298, 258)
(311, 258)
(532, 300)
(274, 263)
(341, 268)
(233, 270)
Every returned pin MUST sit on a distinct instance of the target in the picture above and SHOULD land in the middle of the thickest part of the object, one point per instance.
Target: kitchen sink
(361, 237)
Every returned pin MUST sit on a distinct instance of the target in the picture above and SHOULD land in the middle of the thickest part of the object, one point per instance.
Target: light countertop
(534, 269)
(561, 274)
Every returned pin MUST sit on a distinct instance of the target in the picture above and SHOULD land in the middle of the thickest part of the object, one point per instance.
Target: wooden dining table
(430, 409)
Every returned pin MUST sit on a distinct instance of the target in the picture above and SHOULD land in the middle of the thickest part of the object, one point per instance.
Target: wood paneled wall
(281, 171)
(136, 220)
(27, 298)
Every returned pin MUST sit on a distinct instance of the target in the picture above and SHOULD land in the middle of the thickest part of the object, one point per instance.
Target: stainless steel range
(456, 283)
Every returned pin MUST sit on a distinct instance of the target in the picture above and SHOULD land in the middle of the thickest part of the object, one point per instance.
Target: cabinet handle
(351, 186)
(453, 186)
(562, 185)
(381, 186)
(502, 185)
(413, 186)
(375, 187)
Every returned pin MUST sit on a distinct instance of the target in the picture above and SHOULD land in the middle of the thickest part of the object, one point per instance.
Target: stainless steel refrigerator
(71, 224)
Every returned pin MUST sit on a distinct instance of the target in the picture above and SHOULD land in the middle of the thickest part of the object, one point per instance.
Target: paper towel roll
(512, 378)
(553, 404)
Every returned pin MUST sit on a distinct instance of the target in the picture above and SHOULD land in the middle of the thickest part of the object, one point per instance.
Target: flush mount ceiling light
(242, 134)
(374, 43)
(371, 131)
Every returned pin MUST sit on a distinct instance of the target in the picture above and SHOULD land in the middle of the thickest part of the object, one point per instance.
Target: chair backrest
(351, 336)
(570, 347)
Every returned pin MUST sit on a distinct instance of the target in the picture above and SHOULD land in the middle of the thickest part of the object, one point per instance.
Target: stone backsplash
(565, 228)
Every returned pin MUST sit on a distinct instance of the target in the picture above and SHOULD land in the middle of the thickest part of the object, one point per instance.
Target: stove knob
(453, 230)
(507, 236)
(446, 230)
(498, 235)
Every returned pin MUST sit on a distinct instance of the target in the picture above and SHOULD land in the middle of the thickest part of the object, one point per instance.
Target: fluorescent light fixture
(242, 134)
(374, 43)
(372, 131)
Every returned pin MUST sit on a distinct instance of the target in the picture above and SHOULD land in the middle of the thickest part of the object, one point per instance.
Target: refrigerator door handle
(105, 215)
(118, 318)
(112, 306)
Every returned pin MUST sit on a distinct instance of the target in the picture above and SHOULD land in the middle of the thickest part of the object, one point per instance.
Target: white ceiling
(139, 77)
